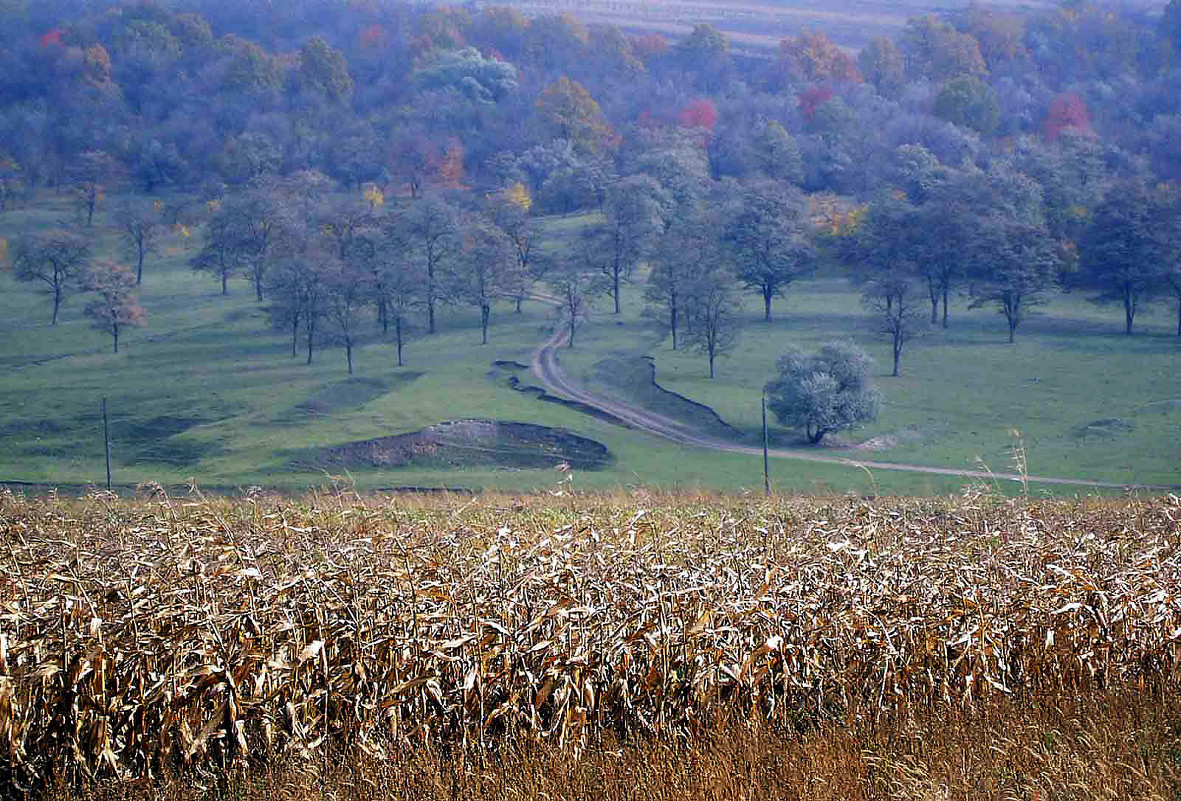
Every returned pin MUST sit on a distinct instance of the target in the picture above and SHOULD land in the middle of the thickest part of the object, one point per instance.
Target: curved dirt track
(555, 381)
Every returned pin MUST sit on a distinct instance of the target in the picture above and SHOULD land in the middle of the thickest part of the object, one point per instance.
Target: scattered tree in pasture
(1120, 255)
(578, 281)
(298, 293)
(633, 217)
(713, 312)
(90, 175)
(56, 260)
(219, 255)
(488, 269)
(347, 299)
(256, 224)
(398, 288)
(823, 392)
(885, 251)
(139, 234)
(768, 234)
(682, 252)
(1168, 235)
(116, 306)
(1017, 267)
(348, 223)
(896, 311)
(430, 231)
(508, 210)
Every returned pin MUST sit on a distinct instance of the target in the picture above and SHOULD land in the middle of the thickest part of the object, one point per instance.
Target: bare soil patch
(472, 443)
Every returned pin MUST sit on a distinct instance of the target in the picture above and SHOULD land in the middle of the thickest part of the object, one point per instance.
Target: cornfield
(147, 638)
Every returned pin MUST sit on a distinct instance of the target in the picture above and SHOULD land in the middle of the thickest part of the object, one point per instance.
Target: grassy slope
(1088, 401)
(206, 391)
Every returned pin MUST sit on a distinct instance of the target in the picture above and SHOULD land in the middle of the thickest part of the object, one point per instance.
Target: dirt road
(555, 381)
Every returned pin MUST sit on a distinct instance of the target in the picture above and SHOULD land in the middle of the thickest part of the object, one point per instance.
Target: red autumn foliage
(699, 113)
(1067, 111)
(813, 98)
(54, 37)
(374, 35)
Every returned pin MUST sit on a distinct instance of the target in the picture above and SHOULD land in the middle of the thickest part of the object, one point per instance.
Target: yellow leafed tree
(518, 195)
(374, 196)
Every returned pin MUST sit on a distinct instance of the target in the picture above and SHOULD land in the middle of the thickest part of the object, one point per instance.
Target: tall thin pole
(107, 443)
(766, 460)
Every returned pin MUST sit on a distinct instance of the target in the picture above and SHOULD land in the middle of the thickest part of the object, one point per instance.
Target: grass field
(1087, 400)
(634, 645)
(207, 393)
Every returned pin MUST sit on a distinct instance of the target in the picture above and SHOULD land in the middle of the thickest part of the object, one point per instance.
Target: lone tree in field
(56, 260)
(116, 307)
(138, 234)
(824, 392)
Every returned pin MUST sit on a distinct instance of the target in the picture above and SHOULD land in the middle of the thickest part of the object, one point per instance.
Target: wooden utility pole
(766, 460)
(107, 443)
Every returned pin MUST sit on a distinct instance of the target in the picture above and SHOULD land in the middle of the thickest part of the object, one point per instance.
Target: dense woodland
(371, 163)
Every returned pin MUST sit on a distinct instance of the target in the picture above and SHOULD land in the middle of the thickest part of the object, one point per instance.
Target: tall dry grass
(602, 646)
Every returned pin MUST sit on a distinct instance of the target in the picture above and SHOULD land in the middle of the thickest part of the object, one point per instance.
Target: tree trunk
(430, 295)
(258, 286)
(946, 291)
(897, 353)
(294, 336)
(383, 317)
(615, 286)
(225, 277)
(139, 269)
(520, 300)
(1129, 315)
(711, 363)
(570, 342)
(398, 335)
(933, 293)
(348, 350)
(310, 341)
(1012, 331)
(768, 292)
(115, 333)
(485, 313)
(57, 302)
(672, 322)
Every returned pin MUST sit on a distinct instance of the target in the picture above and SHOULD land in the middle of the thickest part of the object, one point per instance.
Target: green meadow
(208, 393)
